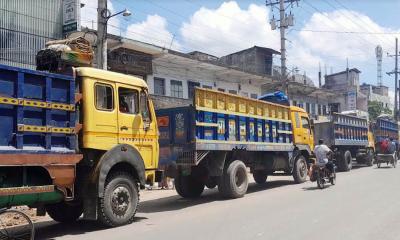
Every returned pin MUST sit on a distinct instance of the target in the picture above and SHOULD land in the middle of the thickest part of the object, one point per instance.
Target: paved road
(365, 204)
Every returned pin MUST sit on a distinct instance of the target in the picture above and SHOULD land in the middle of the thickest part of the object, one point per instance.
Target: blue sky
(220, 27)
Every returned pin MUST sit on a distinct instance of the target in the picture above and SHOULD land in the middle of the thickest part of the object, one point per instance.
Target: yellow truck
(212, 142)
(76, 144)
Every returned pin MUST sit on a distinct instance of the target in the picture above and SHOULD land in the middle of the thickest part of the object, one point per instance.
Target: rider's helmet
(321, 141)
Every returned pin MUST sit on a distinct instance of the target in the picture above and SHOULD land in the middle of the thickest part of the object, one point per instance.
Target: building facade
(377, 93)
(346, 85)
(25, 27)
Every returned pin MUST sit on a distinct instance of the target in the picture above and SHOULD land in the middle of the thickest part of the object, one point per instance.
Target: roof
(110, 76)
(255, 47)
(343, 72)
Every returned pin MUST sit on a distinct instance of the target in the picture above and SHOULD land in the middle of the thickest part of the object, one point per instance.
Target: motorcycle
(322, 175)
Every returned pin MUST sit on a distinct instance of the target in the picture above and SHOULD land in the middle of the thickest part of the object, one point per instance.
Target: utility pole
(101, 35)
(284, 22)
(395, 72)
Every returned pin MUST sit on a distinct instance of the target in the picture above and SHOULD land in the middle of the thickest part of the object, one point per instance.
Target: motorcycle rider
(321, 152)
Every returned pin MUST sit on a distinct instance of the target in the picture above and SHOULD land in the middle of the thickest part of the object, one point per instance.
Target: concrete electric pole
(284, 22)
(103, 15)
(395, 72)
(101, 35)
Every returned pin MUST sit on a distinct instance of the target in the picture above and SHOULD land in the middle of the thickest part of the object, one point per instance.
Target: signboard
(351, 100)
(71, 16)
(130, 62)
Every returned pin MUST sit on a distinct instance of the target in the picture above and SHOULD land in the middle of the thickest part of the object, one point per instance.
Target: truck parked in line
(213, 141)
(76, 144)
(347, 136)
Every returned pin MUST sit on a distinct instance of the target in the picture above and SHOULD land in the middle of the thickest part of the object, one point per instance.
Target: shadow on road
(211, 195)
(51, 230)
(315, 188)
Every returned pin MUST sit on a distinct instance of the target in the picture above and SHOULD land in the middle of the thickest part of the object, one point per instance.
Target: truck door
(133, 124)
(302, 130)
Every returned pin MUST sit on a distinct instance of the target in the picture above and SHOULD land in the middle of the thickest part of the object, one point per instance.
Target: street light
(103, 17)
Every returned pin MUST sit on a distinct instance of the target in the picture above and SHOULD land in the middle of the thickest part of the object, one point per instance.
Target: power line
(346, 32)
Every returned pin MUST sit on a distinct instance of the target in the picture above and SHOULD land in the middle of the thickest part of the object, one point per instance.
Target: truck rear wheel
(120, 201)
(234, 182)
(64, 212)
(345, 162)
(260, 176)
(188, 186)
(300, 170)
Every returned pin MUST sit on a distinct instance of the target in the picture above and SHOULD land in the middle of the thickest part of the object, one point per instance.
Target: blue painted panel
(28, 84)
(221, 131)
(260, 131)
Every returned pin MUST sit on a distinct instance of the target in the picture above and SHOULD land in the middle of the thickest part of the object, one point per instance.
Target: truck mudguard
(122, 153)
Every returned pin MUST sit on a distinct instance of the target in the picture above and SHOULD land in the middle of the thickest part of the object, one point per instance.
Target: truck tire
(64, 212)
(260, 177)
(120, 201)
(300, 169)
(234, 182)
(345, 162)
(188, 186)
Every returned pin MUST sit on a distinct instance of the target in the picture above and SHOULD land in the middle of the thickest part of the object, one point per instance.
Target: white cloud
(153, 30)
(89, 17)
(228, 29)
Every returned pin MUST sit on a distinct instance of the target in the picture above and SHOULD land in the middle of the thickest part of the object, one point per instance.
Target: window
(313, 108)
(304, 122)
(221, 89)
(144, 107)
(232, 91)
(159, 86)
(104, 97)
(294, 103)
(191, 86)
(206, 86)
(324, 110)
(308, 107)
(254, 95)
(176, 89)
(319, 109)
(128, 100)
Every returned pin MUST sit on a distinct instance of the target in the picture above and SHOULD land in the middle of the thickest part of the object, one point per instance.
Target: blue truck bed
(37, 111)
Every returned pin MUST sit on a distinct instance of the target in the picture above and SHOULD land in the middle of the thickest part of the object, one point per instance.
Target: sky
(326, 32)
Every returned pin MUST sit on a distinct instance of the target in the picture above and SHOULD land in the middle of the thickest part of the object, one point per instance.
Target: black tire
(188, 186)
(260, 177)
(345, 162)
(320, 181)
(64, 212)
(234, 182)
(369, 158)
(300, 170)
(120, 200)
(378, 165)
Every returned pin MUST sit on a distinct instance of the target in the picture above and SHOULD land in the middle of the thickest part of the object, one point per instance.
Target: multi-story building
(377, 93)
(25, 27)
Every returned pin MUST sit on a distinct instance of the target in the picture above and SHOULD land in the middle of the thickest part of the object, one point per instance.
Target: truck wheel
(188, 186)
(120, 201)
(260, 176)
(234, 182)
(64, 212)
(300, 170)
(345, 162)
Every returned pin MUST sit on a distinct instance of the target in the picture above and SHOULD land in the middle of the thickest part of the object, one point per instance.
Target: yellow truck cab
(302, 129)
(76, 144)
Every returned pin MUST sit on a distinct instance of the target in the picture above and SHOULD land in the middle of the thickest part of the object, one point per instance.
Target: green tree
(376, 108)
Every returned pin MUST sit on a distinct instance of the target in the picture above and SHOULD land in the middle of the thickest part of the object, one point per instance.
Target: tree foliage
(376, 108)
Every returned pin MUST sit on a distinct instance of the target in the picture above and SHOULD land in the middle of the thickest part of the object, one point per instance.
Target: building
(346, 85)
(258, 60)
(25, 27)
(377, 93)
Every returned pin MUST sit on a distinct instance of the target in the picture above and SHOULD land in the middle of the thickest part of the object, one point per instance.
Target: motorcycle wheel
(320, 181)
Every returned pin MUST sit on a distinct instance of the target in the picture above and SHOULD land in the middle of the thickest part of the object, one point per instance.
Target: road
(365, 204)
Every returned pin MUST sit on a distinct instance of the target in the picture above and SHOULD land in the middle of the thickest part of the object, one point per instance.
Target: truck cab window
(128, 100)
(305, 123)
(144, 107)
(104, 97)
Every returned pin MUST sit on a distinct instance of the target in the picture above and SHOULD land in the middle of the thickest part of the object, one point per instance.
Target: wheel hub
(303, 168)
(120, 200)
